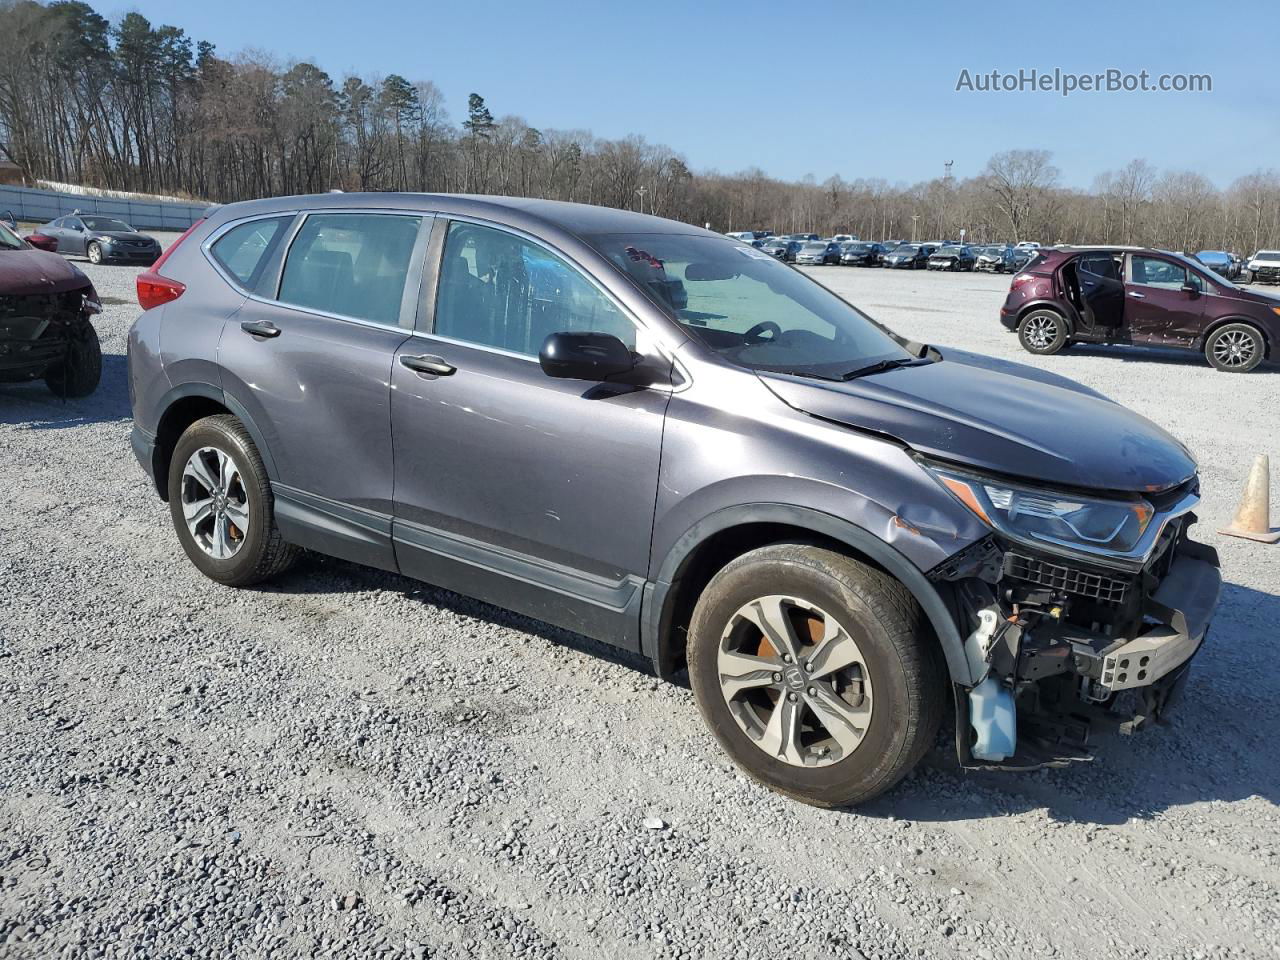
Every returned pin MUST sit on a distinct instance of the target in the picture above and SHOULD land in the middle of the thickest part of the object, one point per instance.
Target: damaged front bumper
(1062, 650)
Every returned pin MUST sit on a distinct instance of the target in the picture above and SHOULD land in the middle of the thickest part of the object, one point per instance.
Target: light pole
(641, 192)
(914, 218)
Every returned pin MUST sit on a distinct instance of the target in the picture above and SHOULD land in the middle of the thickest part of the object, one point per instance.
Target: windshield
(1267, 255)
(1212, 256)
(749, 308)
(857, 247)
(107, 223)
(10, 240)
(815, 246)
(950, 248)
(906, 248)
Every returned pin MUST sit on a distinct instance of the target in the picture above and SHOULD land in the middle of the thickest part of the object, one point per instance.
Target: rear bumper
(1008, 319)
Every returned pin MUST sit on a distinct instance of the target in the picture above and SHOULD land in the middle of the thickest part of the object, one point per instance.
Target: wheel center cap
(793, 676)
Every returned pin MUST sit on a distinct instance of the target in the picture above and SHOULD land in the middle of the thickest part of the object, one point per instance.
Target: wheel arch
(1063, 310)
(183, 406)
(1272, 351)
(707, 546)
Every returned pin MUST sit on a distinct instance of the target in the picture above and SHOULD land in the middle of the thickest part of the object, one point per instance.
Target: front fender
(658, 608)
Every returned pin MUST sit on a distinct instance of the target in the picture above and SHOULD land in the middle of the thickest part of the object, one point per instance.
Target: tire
(899, 674)
(80, 372)
(1042, 332)
(94, 253)
(1235, 348)
(260, 552)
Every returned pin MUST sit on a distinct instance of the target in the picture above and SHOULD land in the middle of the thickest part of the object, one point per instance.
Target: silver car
(664, 439)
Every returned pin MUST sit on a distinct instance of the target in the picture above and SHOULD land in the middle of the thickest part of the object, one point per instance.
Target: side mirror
(1190, 288)
(585, 356)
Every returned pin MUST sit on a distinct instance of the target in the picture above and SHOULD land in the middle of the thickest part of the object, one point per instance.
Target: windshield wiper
(881, 365)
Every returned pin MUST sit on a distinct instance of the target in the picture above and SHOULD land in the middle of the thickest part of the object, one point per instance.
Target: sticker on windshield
(753, 253)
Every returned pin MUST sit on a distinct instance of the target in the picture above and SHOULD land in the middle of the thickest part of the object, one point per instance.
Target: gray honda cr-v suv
(665, 439)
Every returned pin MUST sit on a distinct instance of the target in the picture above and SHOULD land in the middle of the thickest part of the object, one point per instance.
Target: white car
(1264, 267)
(843, 238)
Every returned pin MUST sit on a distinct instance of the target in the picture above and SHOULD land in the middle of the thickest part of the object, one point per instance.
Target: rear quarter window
(244, 250)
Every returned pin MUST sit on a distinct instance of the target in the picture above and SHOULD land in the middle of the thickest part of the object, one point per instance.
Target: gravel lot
(349, 763)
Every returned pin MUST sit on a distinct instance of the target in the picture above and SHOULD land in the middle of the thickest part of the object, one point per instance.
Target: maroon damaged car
(1138, 296)
(46, 305)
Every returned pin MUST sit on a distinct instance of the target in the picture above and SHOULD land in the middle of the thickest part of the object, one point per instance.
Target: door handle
(427, 364)
(260, 328)
(1136, 295)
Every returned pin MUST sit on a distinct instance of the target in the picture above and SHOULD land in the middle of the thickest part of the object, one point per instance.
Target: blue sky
(857, 89)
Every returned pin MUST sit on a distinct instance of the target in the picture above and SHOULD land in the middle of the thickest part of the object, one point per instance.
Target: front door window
(498, 290)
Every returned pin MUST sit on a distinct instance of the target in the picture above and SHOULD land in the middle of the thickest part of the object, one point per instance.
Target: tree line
(134, 106)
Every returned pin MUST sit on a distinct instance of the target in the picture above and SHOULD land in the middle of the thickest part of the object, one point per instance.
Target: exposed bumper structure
(1072, 649)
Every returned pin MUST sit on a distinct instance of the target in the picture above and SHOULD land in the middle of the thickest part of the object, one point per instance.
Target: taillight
(1020, 279)
(155, 290)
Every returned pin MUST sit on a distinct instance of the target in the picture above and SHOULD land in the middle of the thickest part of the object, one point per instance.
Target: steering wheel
(754, 334)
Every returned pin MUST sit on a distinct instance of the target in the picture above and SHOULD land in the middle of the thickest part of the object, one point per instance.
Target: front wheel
(222, 507)
(78, 373)
(95, 253)
(815, 673)
(1235, 348)
(1043, 332)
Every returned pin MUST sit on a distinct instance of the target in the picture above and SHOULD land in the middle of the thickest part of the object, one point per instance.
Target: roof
(580, 219)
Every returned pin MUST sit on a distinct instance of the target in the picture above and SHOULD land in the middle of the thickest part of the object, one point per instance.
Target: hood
(1001, 417)
(943, 256)
(1252, 295)
(27, 272)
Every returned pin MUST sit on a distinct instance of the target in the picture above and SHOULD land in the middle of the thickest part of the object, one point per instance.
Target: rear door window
(351, 264)
(243, 251)
(1104, 265)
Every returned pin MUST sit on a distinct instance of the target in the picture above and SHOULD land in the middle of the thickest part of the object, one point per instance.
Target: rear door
(1102, 290)
(1157, 308)
(309, 357)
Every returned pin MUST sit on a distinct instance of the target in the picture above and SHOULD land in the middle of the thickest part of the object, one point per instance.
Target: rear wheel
(222, 507)
(815, 673)
(1042, 332)
(1235, 348)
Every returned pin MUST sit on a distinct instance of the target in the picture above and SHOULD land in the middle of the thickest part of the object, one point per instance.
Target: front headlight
(1040, 516)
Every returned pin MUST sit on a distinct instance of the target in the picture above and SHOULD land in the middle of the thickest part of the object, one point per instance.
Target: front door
(533, 493)
(73, 236)
(1157, 308)
(310, 363)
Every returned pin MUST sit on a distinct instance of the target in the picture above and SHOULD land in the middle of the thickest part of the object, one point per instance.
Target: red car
(45, 331)
(1138, 296)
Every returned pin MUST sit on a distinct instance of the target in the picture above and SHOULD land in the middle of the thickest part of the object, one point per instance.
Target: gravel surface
(349, 763)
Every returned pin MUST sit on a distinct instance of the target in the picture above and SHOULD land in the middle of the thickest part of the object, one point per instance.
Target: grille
(1066, 579)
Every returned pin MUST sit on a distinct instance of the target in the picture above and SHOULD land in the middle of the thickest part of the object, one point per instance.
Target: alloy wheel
(215, 503)
(95, 253)
(1041, 331)
(1234, 348)
(795, 681)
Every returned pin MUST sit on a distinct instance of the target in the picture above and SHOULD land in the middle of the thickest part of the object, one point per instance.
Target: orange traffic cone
(1253, 517)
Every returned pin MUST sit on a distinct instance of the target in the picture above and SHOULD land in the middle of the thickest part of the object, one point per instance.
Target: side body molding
(656, 627)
